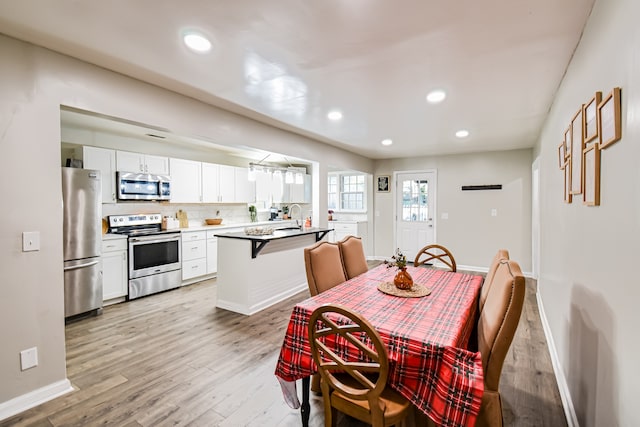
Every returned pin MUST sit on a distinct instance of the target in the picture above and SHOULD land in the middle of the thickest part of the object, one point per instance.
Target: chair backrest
(366, 374)
(435, 252)
(499, 319)
(324, 267)
(353, 258)
(502, 254)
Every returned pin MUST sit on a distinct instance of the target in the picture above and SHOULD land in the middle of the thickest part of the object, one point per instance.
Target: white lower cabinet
(212, 252)
(194, 254)
(342, 229)
(114, 269)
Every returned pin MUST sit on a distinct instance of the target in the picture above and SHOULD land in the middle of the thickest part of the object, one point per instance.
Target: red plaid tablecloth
(426, 339)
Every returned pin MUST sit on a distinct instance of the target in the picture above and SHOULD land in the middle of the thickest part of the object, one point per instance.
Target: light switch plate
(494, 212)
(30, 241)
(445, 215)
(29, 358)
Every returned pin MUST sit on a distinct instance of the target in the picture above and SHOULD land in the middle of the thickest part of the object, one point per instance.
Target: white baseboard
(563, 387)
(34, 398)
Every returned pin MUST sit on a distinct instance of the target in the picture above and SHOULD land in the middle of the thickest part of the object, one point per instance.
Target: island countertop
(282, 233)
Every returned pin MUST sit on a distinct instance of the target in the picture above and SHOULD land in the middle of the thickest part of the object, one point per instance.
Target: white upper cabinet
(245, 189)
(227, 183)
(298, 193)
(103, 160)
(143, 163)
(210, 183)
(186, 181)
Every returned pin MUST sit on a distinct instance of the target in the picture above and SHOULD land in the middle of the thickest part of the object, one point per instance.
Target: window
(347, 192)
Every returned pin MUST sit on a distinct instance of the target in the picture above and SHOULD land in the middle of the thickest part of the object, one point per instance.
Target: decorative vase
(403, 279)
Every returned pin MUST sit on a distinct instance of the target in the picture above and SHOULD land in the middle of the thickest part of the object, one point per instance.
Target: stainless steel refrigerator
(82, 238)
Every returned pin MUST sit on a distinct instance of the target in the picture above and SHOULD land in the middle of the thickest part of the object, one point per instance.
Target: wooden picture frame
(562, 154)
(567, 182)
(577, 148)
(591, 161)
(384, 184)
(610, 119)
(590, 114)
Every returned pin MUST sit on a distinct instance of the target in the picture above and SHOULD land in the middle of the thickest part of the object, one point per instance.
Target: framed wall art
(567, 183)
(590, 113)
(609, 119)
(383, 183)
(562, 154)
(577, 147)
(591, 161)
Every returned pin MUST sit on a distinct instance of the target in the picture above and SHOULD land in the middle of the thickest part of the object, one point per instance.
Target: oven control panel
(134, 220)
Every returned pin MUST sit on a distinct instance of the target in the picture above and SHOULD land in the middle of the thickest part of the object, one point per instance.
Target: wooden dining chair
(353, 258)
(323, 264)
(435, 253)
(497, 325)
(357, 388)
(502, 254)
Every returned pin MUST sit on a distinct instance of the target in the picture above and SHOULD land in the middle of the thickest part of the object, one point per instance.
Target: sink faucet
(299, 224)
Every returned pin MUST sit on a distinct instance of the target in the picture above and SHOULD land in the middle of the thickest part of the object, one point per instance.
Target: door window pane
(415, 206)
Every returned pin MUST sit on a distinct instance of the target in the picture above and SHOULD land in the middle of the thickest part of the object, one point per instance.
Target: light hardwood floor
(175, 359)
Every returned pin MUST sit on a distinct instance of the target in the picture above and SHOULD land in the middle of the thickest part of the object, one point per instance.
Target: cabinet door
(277, 188)
(114, 275)
(212, 255)
(296, 193)
(245, 189)
(210, 183)
(264, 185)
(185, 181)
(129, 162)
(158, 165)
(103, 160)
(227, 182)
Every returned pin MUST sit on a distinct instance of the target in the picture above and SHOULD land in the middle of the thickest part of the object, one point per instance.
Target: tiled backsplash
(230, 214)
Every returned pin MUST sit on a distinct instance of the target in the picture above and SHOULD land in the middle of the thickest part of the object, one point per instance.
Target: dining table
(426, 337)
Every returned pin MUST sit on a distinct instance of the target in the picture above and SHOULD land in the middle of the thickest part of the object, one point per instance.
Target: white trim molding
(34, 398)
(563, 387)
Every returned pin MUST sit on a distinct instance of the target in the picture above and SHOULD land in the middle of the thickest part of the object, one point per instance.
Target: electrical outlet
(30, 241)
(29, 358)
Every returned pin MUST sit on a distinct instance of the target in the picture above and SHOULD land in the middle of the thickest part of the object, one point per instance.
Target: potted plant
(403, 279)
(330, 214)
(253, 213)
(285, 212)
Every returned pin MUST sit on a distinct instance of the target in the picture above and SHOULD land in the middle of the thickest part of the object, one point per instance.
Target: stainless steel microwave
(143, 186)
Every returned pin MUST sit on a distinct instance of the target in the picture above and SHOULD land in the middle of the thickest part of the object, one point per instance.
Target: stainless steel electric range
(155, 262)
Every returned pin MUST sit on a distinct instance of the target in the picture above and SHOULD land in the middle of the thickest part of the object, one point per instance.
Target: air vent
(155, 136)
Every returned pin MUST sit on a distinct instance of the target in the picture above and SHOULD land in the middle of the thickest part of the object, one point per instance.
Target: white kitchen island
(255, 272)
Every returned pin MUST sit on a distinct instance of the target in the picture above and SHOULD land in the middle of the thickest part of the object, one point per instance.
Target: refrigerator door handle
(75, 267)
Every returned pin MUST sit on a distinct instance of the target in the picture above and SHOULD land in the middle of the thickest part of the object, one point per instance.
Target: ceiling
(289, 64)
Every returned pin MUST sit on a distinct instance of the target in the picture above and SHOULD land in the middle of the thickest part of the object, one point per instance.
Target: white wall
(471, 233)
(34, 83)
(588, 273)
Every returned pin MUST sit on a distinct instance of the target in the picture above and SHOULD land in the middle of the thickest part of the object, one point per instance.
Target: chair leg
(315, 384)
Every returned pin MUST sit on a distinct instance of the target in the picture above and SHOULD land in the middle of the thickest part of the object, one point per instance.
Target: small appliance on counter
(274, 214)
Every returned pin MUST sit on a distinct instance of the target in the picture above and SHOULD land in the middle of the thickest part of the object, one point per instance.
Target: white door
(415, 211)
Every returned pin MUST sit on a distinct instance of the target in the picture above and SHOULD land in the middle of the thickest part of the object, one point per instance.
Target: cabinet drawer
(194, 250)
(194, 268)
(346, 228)
(211, 234)
(194, 235)
(113, 245)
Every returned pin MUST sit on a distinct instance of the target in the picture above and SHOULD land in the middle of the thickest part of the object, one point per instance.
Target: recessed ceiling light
(334, 115)
(387, 141)
(462, 133)
(197, 42)
(436, 96)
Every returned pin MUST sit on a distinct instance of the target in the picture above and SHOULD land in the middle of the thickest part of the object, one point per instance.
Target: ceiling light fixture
(462, 133)
(436, 96)
(334, 115)
(387, 142)
(197, 42)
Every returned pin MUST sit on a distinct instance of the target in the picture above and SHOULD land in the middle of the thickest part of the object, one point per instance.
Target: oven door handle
(154, 239)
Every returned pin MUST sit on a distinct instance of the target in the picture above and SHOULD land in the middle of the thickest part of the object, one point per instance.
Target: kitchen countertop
(275, 224)
(113, 236)
(277, 234)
